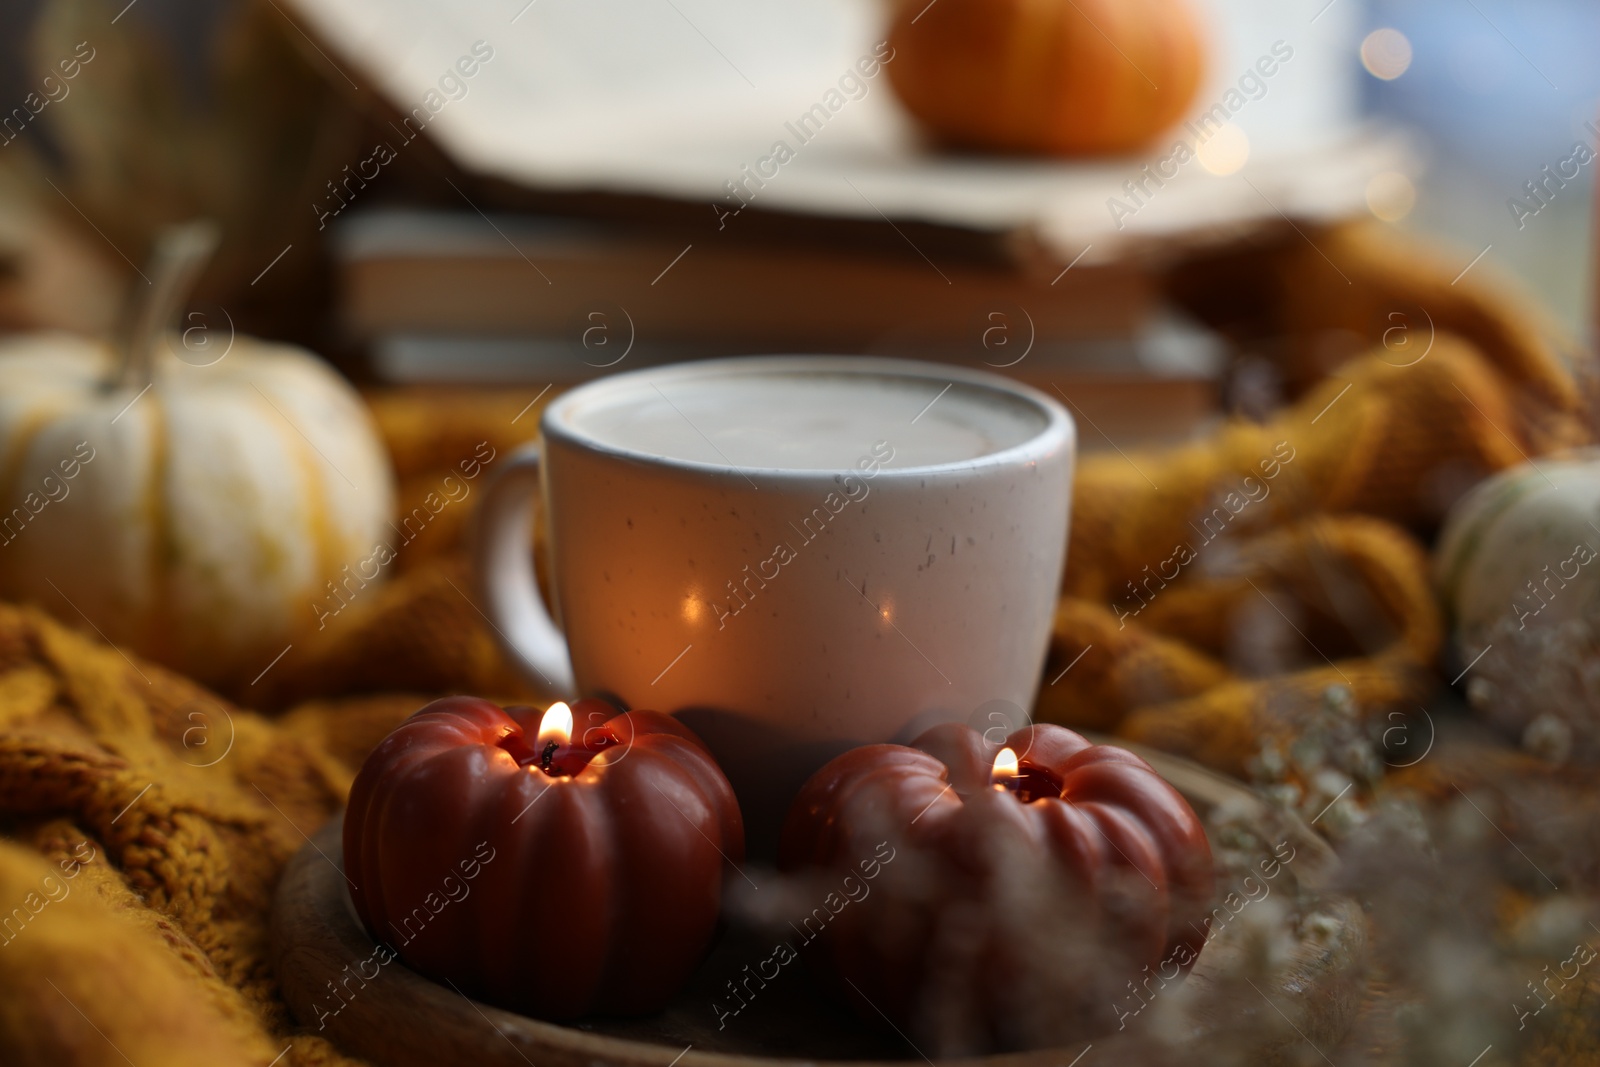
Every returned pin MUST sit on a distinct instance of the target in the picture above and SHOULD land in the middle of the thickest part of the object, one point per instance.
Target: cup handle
(502, 559)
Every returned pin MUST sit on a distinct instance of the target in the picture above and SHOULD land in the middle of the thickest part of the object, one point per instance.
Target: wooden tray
(401, 1019)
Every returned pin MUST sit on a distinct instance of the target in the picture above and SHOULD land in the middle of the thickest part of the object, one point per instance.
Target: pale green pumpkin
(1518, 570)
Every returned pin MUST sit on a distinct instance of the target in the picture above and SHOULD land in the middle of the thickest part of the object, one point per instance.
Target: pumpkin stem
(181, 253)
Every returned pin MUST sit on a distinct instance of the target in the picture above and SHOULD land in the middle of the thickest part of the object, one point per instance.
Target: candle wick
(547, 755)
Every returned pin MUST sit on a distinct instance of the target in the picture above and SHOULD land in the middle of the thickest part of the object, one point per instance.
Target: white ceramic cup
(785, 613)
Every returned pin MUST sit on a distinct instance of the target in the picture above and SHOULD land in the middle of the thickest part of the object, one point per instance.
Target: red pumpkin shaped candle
(1024, 889)
(555, 869)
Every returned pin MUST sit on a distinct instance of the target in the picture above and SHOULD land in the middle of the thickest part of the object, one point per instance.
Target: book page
(787, 106)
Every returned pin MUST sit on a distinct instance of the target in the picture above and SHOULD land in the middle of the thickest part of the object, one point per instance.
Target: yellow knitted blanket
(1214, 594)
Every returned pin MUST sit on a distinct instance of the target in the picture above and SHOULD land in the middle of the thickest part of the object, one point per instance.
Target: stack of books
(463, 298)
(715, 222)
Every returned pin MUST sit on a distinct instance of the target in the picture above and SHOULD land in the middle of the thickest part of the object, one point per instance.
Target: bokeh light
(1386, 53)
(1391, 196)
(1225, 151)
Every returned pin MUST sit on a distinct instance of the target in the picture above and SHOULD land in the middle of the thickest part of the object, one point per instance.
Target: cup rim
(1059, 432)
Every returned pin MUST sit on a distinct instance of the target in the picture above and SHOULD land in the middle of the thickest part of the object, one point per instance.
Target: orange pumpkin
(1057, 77)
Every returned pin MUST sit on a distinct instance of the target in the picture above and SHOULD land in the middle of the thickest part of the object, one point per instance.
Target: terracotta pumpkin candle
(1019, 891)
(562, 864)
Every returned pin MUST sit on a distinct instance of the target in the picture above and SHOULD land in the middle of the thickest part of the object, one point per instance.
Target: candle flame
(1006, 765)
(556, 725)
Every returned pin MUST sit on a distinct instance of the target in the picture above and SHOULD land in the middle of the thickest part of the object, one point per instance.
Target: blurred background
(1432, 116)
(1495, 91)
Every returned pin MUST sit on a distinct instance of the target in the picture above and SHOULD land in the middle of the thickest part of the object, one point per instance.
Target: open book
(786, 107)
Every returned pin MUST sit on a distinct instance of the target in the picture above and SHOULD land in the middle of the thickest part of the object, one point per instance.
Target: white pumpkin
(196, 517)
(1518, 569)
